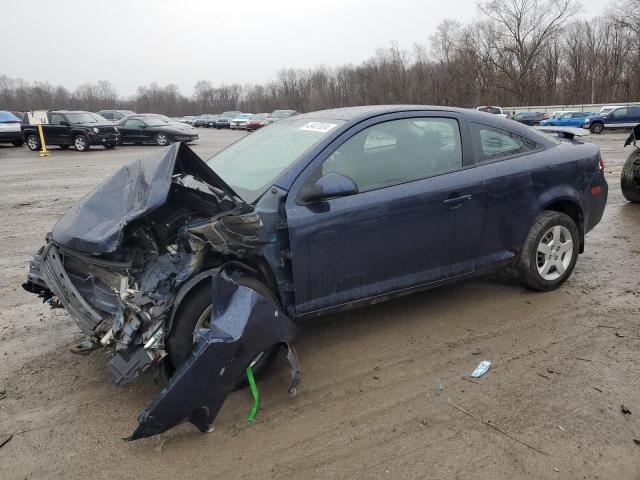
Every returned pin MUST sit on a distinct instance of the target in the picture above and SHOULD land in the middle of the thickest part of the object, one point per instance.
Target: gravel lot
(563, 364)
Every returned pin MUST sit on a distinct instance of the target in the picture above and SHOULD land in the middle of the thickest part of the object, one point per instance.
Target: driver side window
(398, 151)
(133, 123)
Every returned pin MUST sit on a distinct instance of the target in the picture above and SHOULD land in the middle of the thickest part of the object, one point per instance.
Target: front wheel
(628, 184)
(162, 139)
(33, 143)
(195, 313)
(550, 251)
(81, 142)
(596, 128)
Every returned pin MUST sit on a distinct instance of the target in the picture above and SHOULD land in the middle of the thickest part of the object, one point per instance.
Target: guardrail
(586, 107)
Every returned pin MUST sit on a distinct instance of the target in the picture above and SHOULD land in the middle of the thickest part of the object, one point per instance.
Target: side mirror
(330, 185)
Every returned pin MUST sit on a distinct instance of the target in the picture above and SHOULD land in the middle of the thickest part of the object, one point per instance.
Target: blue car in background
(567, 119)
(622, 117)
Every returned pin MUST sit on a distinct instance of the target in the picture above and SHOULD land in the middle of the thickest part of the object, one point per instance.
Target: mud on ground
(368, 407)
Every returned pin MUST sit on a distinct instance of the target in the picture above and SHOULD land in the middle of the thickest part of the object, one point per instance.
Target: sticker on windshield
(318, 127)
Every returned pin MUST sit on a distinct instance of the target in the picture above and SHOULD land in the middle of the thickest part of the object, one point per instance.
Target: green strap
(254, 392)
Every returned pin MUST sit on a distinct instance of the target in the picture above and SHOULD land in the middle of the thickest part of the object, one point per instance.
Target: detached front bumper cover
(243, 324)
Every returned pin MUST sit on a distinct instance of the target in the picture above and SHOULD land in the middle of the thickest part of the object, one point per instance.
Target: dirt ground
(368, 407)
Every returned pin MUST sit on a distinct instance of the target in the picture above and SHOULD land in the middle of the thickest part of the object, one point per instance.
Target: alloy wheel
(555, 252)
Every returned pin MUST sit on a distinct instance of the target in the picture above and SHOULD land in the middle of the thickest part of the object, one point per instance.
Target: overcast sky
(134, 42)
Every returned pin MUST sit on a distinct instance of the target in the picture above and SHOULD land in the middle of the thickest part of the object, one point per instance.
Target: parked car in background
(206, 120)
(529, 118)
(150, 128)
(10, 129)
(621, 117)
(240, 122)
(559, 113)
(258, 120)
(224, 120)
(268, 231)
(66, 128)
(493, 110)
(190, 119)
(566, 119)
(280, 114)
(115, 115)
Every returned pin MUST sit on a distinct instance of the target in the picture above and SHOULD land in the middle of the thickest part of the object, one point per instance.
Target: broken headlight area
(119, 259)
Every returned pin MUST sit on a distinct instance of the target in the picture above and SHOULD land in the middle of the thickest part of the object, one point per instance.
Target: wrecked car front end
(121, 260)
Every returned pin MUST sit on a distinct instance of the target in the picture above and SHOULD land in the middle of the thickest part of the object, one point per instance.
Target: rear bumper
(10, 136)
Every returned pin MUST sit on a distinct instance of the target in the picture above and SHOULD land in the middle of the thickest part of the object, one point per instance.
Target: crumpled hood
(96, 223)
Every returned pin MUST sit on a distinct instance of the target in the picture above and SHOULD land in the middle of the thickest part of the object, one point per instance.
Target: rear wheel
(550, 251)
(596, 128)
(628, 184)
(81, 143)
(196, 314)
(162, 139)
(33, 143)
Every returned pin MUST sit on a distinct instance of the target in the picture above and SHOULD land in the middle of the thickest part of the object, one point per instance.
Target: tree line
(517, 52)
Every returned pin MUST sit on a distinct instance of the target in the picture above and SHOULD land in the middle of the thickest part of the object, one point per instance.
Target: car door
(563, 120)
(131, 131)
(411, 223)
(56, 131)
(618, 118)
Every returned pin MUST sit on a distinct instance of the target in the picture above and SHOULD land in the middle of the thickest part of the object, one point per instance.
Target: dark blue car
(621, 117)
(201, 267)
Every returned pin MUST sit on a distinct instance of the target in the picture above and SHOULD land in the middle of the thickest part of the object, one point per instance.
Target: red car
(259, 120)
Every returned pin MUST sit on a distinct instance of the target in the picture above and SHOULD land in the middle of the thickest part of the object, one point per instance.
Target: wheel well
(574, 211)
(197, 283)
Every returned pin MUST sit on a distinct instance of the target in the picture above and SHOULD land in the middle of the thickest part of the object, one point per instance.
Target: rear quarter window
(492, 143)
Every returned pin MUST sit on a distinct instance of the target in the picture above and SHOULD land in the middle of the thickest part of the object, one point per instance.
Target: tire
(32, 142)
(18, 143)
(596, 128)
(180, 339)
(630, 188)
(81, 143)
(109, 146)
(161, 139)
(550, 231)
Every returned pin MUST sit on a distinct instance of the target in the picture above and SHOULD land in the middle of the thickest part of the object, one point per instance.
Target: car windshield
(245, 116)
(99, 118)
(230, 114)
(260, 116)
(80, 118)
(251, 165)
(154, 121)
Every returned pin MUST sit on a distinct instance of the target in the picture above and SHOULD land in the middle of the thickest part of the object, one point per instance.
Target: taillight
(601, 164)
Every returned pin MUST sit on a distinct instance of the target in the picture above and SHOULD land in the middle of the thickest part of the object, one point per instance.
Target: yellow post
(43, 151)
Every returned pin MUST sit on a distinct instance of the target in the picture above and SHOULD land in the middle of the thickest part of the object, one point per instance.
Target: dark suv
(530, 118)
(65, 128)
